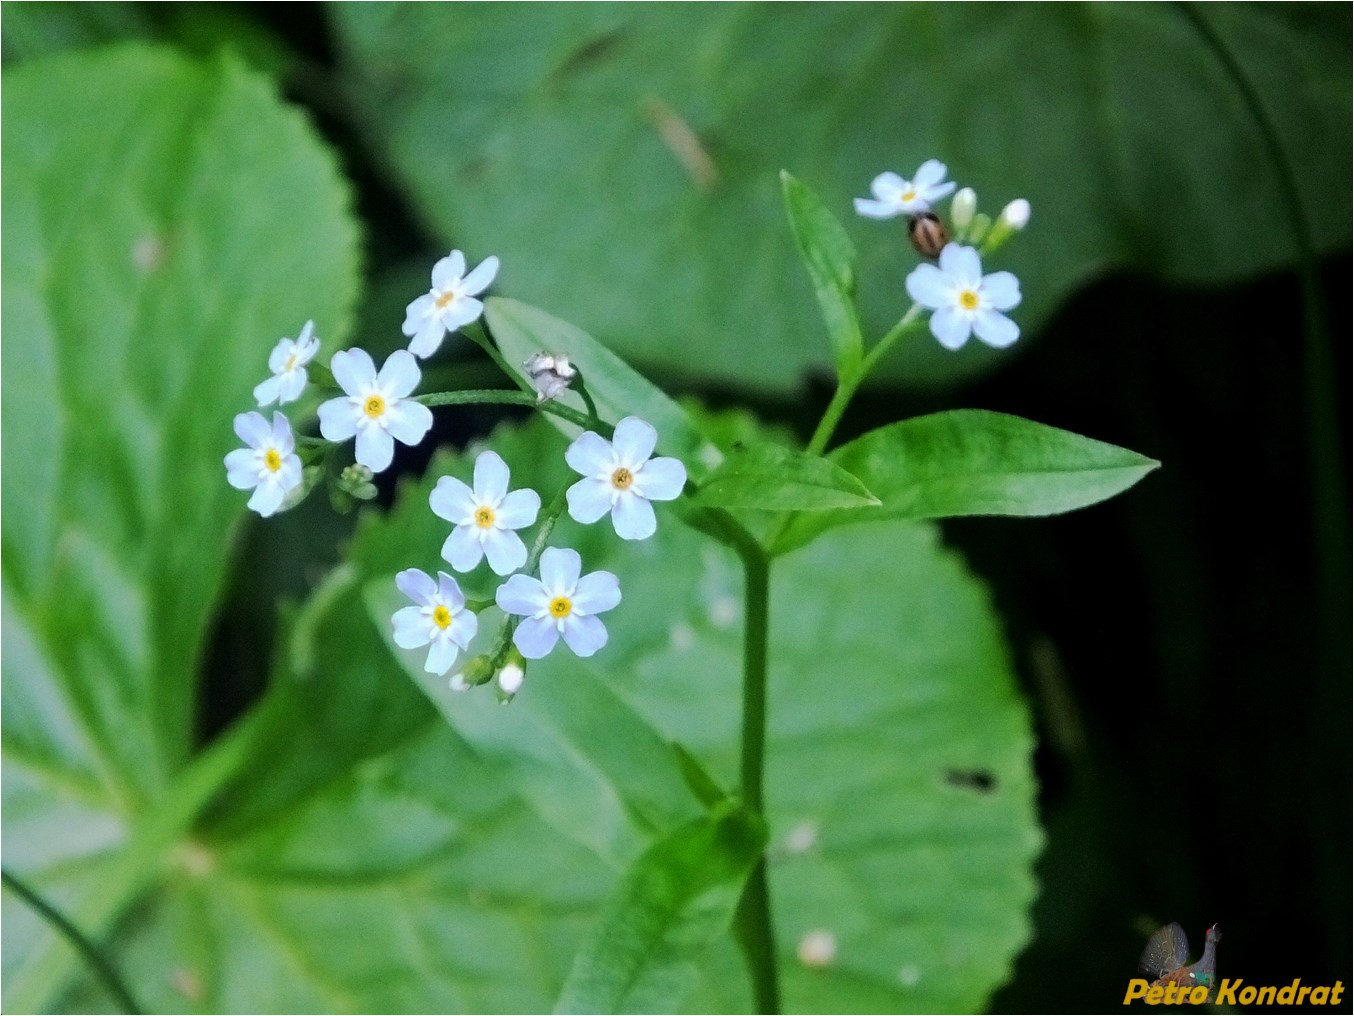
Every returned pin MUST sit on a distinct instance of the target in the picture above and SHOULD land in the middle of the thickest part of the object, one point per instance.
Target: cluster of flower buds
(963, 300)
(619, 477)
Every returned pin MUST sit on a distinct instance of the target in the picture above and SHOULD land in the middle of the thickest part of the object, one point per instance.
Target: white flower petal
(1002, 290)
(937, 191)
(418, 585)
(590, 454)
(408, 421)
(660, 479)
(449, 591)
(505, 550)
(338, 419)
(589, 499)
(997, 330)
(418, 314)
(597, 592)
(932, 171)
(353, 369)
(962, 265)
(950, 327)
(267, 498)
(929, 286)
(560, 567)
(410, 628)
(463, 549)
(290, 474)
(463, 628)
(887, 186)
(521, 594)
(478, 280)
(518, 510)
(633, 517)
(584, 635)
(460, 311)
(535, 637)
(399, 374)
(441, 655)
(491, 477)
(267, 391)
(277, 359)
(242, 469)
(449, 270)
(290, 386)
(307, 343)
(375, 449)
(281, 435)
(878, 209)
(427, 338)
(634, 442)
(252, 429)
(452, 500)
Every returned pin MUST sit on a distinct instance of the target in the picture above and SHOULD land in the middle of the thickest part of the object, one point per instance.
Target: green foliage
(831, 260)
(671, 906)
(768, 476)
(145, 277)
(657, 227)
(974, 462)
(880, 706)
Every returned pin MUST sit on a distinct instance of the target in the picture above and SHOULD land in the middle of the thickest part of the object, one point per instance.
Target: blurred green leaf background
(1002, 750)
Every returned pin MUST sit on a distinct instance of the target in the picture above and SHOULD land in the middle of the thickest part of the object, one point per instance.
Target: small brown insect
(927, 233)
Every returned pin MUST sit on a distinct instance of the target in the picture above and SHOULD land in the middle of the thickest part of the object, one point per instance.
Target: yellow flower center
(484, 516)
(374, 407)
(291, 363)
(910, 195)
(968, 299)
(441, 617)
(443, 298)
(622, 478)
(272, 460)
(561, 607)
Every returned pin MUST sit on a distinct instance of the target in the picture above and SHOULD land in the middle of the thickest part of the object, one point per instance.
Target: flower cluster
(376, 407)
(619, 476)
(963, 300)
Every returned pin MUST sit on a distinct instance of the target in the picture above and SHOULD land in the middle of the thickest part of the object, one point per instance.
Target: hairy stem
(502, 397)
(101, 966)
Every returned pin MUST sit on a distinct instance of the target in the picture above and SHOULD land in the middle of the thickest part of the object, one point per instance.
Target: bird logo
(1166, 959)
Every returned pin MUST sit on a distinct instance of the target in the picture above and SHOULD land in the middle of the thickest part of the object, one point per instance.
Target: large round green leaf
(165, 222)
(623, 159)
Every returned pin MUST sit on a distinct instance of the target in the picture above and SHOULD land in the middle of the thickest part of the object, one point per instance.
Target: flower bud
(978, 228)
(355, 480)
(1013, 217)
(550, 373)
(963, 206)
(510, 678)
(478, 671)
(1016, 215)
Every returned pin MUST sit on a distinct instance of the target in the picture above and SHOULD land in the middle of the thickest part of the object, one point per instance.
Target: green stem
(752, 923)
(99, 963)
(476, 334)
(501, 397)
(846, 388)
(548, 519)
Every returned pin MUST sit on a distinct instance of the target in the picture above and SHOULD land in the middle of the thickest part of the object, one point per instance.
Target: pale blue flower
(620, 478)
(895, 196)
(438, 618)
(288, 364)
(965, 300)
(450, 303)
(269, 466)
(485, 517)
(375, 407)
(559, 604)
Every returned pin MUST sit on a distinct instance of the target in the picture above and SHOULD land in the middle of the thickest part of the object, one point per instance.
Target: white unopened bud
(550, 373)
(510, 679)
(963, 206)
(458, 682)
(1016, 215)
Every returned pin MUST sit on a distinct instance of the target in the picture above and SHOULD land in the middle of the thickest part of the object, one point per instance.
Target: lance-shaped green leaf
(672, 904)
(974, 462)
(774, 478)
(830, 258)
(618, 389)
